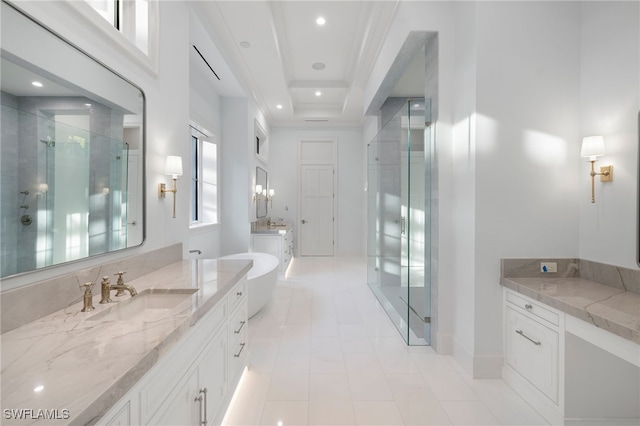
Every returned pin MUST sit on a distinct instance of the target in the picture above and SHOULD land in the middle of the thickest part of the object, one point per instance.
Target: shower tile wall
(26, 122)
(9, 183)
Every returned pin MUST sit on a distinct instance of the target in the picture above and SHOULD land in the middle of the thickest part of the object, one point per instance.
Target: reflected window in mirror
(204, 177)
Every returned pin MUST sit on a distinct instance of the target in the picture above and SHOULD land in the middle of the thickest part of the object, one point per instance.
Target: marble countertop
(609, 308)
(85, 366)
(280, 228)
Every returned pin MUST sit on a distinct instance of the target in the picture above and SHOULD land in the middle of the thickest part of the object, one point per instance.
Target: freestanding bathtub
(261, 278)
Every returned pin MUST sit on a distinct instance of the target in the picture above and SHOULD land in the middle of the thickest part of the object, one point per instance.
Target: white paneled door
(316, 211)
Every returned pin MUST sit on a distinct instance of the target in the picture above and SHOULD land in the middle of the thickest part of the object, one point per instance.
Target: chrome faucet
(119, 286)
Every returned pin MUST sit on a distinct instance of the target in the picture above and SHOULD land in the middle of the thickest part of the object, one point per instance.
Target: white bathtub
(261, 279)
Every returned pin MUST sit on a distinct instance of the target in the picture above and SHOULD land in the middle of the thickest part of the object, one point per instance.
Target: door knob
(304, 221)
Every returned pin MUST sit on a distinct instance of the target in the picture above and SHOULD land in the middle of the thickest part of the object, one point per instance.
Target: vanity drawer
(237, 353)
(534, 308)
(238, 325)
(532, 349)
(237, 295)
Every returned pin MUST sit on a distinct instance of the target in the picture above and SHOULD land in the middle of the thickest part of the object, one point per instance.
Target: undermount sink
(148, 305)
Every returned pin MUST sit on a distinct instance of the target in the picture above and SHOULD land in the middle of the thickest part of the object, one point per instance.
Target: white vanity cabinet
(193, 383)
(278, 244)
(201, 391)
(534, 348)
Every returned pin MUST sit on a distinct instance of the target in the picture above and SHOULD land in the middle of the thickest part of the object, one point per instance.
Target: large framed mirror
(72, 152)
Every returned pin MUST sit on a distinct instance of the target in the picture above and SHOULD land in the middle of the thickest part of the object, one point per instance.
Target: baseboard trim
(601, 422)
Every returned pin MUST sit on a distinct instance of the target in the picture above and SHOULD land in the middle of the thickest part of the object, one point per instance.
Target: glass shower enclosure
(399, 210)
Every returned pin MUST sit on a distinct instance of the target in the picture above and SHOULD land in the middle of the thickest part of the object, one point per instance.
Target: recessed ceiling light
(279, 106)
(318, 66)
(245, 44)
(318, 93)
(87, 105)
(38, 388)
(36, 83)
(321, 21)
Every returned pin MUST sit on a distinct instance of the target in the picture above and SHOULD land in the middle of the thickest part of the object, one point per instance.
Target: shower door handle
(402, 225)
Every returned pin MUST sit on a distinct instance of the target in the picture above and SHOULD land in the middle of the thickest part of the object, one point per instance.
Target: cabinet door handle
(240, 351)
(198, 399)
(528, 306)
(239, 294)
(402, 225)
(520, 332)
(238, 330)
(205, 420)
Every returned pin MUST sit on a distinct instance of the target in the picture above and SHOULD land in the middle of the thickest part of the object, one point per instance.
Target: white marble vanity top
(609, 308)
(85, 366)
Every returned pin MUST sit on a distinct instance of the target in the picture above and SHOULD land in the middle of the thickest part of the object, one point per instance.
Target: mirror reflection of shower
(71, 195)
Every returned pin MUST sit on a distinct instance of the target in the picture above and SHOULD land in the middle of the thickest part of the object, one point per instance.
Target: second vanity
(572, 344)
(161, 364)
(275, 238)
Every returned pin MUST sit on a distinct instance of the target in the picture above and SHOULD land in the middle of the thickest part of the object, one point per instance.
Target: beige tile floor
(323, 352)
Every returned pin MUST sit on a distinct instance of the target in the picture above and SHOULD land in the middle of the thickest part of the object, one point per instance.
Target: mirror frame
(143, 141)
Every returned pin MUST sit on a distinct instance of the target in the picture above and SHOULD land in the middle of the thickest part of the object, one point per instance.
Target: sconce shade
(272, 192)
(592, 146)
(258, 189)
(173, 166)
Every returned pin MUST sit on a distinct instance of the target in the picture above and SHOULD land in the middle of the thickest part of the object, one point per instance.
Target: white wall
(609, 105)
(458, 216)
(205, 107)
(284, 176)
(526, 142)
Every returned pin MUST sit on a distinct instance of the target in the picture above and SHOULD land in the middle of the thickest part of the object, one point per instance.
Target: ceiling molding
(313, 84)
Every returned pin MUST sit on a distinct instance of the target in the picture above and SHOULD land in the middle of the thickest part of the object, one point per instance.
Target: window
(204, 178)
(130, 17)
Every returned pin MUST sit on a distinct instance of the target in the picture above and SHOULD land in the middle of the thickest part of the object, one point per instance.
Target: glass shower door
(398, 205)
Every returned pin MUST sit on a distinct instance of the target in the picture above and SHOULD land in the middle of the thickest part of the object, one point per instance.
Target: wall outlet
(547, 267)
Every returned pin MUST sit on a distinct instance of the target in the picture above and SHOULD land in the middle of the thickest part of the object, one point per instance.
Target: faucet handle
(87, 298)
(120, 291)
(106, 291)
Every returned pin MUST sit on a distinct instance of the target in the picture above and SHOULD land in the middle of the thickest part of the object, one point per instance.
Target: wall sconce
(269, 197)
(173, 167)
(593, 147)
(257, 194)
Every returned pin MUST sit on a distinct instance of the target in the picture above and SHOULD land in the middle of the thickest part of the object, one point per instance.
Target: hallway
(324, 352)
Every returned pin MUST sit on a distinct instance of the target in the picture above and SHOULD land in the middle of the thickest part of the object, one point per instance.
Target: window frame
(198, 137)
